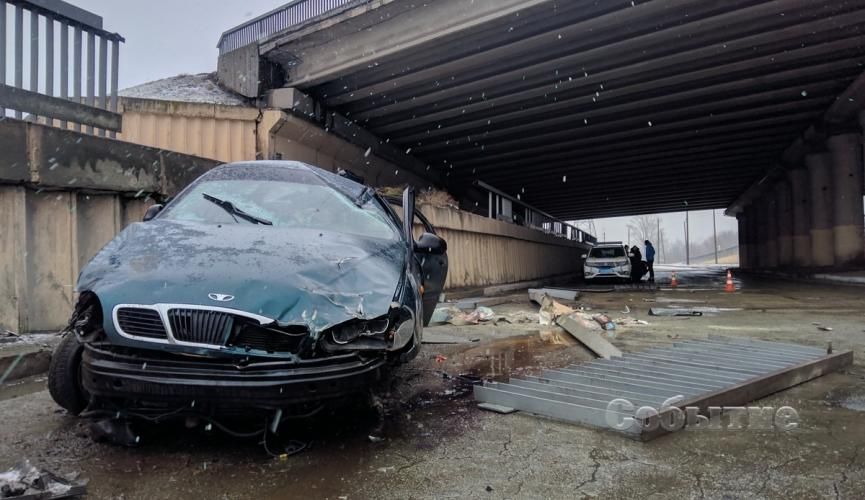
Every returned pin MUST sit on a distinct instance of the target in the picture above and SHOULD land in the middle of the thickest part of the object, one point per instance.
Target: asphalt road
(437, 444)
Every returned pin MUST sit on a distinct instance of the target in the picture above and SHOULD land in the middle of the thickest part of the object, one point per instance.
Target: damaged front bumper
(153, 381)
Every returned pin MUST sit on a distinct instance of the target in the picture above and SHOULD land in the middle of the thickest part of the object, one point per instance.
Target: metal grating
(718, 371)
(201, 326)
(141, 322)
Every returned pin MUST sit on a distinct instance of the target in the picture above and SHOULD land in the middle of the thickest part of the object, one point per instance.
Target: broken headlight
(391, 332)
(353, 330)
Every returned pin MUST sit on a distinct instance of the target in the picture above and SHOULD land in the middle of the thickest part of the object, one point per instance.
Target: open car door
(430, 250)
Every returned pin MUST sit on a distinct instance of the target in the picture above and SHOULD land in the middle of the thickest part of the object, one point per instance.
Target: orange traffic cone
(729, 287)
(675, 282)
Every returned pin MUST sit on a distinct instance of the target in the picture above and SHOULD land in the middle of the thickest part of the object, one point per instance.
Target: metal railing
(57, 36)
(291, 14)
(503, 206)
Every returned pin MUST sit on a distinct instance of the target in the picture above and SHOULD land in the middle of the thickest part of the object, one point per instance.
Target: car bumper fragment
(155, 379)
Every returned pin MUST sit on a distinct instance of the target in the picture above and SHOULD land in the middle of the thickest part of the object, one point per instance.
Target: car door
(430, 251)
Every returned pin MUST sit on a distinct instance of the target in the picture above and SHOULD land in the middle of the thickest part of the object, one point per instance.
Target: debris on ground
(432, 337)
(536, 295)
(9, 336)
(626, 310)
(114, 430)
(605, 321)
(551, 310)
(825, 328)
(628, 321)
(664, 311)
(574, 324)
(671, 300)
(455, 316)
(504, 410)
(24, 481)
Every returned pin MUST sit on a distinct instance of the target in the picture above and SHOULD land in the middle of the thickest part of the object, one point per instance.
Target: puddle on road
(526, 354)
(22, 387)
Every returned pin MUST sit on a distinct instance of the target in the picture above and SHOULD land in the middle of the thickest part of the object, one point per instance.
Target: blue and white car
(607, 260)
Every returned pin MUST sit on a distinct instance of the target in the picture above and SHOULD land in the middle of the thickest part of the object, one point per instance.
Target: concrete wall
(483, 251)
(224, 133)
(63, 195)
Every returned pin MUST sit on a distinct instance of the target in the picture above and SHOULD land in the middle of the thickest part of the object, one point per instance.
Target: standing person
(637, 269)
(650, 260)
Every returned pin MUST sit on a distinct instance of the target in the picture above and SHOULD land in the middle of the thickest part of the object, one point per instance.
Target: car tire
(64, 375)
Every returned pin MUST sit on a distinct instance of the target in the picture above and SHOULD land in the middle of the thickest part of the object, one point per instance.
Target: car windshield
(286, 204)
(607, 252)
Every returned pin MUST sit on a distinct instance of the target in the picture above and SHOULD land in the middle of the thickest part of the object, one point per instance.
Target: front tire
(64, 375)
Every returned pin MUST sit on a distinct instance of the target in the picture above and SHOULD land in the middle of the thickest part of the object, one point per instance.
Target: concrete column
(847, 184)
(771, 208)
(760, 233)
(800, 200)
(744, 243)
(822, 234)
(784, 218)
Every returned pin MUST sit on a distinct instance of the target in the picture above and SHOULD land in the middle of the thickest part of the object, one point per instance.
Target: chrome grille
(200, 326)
(141, 322)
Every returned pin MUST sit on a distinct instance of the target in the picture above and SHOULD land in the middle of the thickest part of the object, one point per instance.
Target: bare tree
(644, 227)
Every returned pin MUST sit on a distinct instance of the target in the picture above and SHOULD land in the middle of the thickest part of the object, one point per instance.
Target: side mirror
(151, 212)
(584, 256)
(431, 244)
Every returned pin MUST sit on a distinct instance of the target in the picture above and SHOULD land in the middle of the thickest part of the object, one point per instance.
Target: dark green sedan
(262, 286)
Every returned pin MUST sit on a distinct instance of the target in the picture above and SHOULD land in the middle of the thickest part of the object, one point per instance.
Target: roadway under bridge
(589, 109)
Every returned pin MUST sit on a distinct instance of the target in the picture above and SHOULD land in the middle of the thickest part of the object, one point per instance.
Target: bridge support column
(847, 183)
(744, 239)
(771, 228)
(822, 234)
(784, 218)
(800, 205)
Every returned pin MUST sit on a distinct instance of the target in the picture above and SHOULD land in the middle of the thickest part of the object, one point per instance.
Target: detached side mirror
(431, 244)
(152, 211)
(584, 256)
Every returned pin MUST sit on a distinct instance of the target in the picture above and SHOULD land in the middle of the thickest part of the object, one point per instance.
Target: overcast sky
(169, 37)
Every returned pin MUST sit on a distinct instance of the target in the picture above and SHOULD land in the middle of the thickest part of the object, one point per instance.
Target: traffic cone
(674, 282)
(729, 287)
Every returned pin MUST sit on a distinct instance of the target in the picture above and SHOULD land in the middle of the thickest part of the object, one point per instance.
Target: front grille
(271, 340)
(141, 322)
(200, 326)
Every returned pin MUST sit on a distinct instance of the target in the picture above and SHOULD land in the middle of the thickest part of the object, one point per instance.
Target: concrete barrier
(63, 195)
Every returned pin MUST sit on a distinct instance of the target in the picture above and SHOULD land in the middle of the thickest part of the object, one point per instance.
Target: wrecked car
(262, 285)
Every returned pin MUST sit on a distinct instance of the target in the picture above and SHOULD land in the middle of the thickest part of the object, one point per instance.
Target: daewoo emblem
(220, 297)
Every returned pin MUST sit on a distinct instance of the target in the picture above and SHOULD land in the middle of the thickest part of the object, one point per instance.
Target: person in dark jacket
(638, 268)
(650, 260)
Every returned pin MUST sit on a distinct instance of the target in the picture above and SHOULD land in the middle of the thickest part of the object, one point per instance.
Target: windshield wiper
(233, 210)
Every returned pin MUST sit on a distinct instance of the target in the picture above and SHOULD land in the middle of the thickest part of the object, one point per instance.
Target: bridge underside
(585, 108)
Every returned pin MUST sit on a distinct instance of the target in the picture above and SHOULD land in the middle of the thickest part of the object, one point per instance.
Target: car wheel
(64, 375)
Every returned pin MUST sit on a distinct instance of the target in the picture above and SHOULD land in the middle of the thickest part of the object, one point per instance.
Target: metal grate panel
(719, 370)
(200, 326)
(141, 322)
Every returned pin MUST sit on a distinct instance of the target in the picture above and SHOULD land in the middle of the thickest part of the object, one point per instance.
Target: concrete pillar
(822, 235)
(847, 184)
(744, 243)
(784, 218)
(800, 199)
(771, 228)
(761, 235)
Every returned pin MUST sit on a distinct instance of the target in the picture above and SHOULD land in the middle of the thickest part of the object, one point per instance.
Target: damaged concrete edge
(41, 158)
(760, 387)
(23, 363)
(298, 104)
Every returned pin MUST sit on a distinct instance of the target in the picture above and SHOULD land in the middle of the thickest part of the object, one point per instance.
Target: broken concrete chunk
(536, 295)
(574, 325)
(504, 410)
(550, 310)
(26, 481)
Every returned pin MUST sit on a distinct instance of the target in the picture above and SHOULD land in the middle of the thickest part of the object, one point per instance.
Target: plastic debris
(27, 482)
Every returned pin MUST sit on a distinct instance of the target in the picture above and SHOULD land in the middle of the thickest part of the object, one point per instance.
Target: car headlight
(391, 332)
(353, 330)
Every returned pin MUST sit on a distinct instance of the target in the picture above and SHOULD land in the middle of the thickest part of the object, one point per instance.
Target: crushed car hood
(295, 276)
